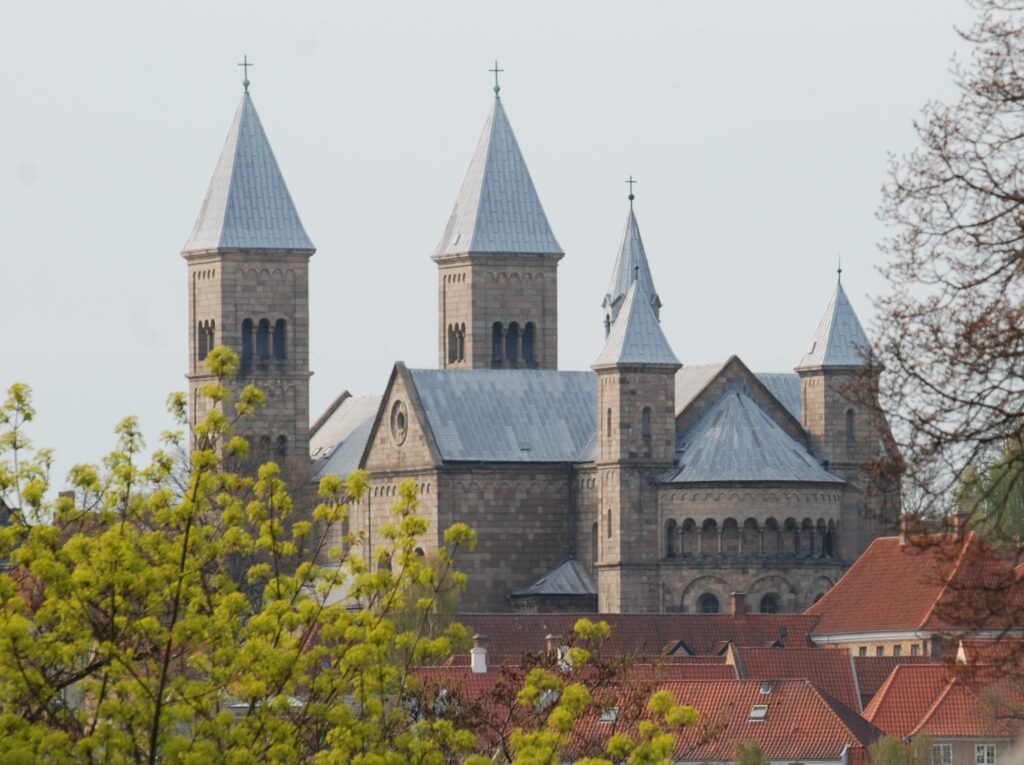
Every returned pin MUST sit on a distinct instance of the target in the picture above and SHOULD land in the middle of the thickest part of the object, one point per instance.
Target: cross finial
(631, 195)
(839, 271)
(497, 87)
(245, 68)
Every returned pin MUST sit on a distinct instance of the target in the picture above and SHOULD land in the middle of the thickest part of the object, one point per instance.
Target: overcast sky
(758, 131)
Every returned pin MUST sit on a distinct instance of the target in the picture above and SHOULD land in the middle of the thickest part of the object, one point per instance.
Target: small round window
(399, 422)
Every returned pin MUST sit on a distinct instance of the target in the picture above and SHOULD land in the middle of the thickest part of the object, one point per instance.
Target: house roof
(872, 672)
(801, 722)
(339, 437)
(570, 577)
(830, 670)
(630, 265)
(636, 336)
(497, 210)
(509, 415)
(247, 205)
(945, 583)
(644, 634)
(905, 696)
(736, 440)
(963, 710)
(840, 340)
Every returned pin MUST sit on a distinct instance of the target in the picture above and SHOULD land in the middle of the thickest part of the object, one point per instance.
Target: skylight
(758, 713)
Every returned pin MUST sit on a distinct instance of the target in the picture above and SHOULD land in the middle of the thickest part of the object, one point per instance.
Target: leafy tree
(749, 753)
(126, 636)
(993, 496)
(889, 750)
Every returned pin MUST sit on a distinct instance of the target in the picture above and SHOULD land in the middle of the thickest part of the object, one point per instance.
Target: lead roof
(630, 265)
(497, 210)
(840, 340)
(570, 577)
(247, 204)
(636, 336)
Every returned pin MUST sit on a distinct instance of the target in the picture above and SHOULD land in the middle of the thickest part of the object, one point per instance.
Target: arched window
(709, 538)
(593, 544)
(201, 339)
(462, 342)
(528, 332)
(247, 340)
(512, 343)
(263, 340)
(281, 449)
(730, 537)
(608, 524)
(608, 422)
(849, 430)
(670, 539)
(707, 604)
(209, 334)
(688, 537)
(452, 345)
(790, 538)
(496, 341)
(645, 420)
(769, 604)
(280, 328)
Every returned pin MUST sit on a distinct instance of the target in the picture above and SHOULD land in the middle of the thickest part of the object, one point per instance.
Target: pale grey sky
(758, 132)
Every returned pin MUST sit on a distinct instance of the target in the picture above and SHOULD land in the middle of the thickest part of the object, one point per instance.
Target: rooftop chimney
(960, 521)
(478, 654)
(552, 642)
(739, 604)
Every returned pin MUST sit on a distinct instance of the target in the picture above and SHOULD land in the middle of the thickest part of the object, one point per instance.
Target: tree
(951, 328)
(749, 753)
(126, 636)
(889, 750)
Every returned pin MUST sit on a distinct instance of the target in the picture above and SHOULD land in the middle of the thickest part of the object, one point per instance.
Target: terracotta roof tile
(830, 670)
(871, 672)
(905, 696)
(963, 710)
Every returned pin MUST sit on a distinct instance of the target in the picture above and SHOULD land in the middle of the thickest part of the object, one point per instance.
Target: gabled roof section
(830, 670)
(735, 440)
(247, 205)
(339, 437)
(570, 577)
(631, 266)
(508, 415)
(785, 386)
(636, 336)
(840, 340)
(497, 210)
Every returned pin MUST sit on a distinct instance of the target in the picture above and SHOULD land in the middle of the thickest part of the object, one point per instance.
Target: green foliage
(749, 753)
(890, 750)
(993, 495)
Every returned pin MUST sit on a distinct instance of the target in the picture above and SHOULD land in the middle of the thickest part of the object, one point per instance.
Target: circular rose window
(399, 422)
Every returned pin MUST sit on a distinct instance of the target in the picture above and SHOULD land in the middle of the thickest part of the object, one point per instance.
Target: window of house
(670, 539)
(708, 604)
(263, 340)
(280, 329)
(942, 754)
(985, 754)
(512, 343)
(247, 340)
(862, 651)
(769, 604)
(528, 332)
(915, 649)
(758, 712)
(645, 420)
(897, 650)
(496, 341)
(879, 651)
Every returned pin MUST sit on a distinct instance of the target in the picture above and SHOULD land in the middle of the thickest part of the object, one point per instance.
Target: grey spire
(636, 336)
(247, 206)
(840, 340)
(630, 266)
(497, 210)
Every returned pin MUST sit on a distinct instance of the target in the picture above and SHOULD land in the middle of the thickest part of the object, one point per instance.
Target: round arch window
(399, 422)
(707, 604)
(769, 604)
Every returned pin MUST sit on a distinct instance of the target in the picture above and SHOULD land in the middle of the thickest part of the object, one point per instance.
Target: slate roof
(509, 415)
(497, 210)
(785, 386)
(630, 265)
(839, 340)
(735, 440)
(830, 670)
(946, 583)
(247, 205)
(691, 380)
(570, 577)
(337, 442)
(636, 336)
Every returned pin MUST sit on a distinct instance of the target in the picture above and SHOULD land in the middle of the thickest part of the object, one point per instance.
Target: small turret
(630, 266)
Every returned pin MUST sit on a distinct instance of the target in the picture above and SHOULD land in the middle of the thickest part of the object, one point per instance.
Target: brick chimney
(739, 604)
(960, 523)
(478, 654)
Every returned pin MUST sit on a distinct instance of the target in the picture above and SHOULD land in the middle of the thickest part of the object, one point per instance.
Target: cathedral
(639, 485)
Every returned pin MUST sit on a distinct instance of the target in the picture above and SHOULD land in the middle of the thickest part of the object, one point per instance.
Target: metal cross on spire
(497, 87)
(245, 68)
(839, 270)
(631, 195)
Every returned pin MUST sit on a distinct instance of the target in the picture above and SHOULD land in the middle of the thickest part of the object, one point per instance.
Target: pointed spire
(636, 336)
(497, 210)
(247, 205)
(630, 266)
(840, 340)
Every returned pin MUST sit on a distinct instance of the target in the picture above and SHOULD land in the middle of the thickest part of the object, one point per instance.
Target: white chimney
(478, 654)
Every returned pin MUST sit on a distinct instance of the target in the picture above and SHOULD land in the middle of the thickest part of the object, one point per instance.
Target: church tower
(846, 426)
(248, 289)
(630, 266)
(636, 442)
(498, 263)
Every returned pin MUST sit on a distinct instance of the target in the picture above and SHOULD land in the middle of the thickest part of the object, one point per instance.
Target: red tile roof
(512, 635)
(944, 582)
(905, 697)
(872, 671)
(830, 670)
(960, 710)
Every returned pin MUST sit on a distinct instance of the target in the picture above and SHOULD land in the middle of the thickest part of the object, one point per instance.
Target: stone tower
(248, 289)
(847, 429)
(498, 264)
(636, 442)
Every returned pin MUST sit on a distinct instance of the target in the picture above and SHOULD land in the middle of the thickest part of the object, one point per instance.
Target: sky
(759, 134)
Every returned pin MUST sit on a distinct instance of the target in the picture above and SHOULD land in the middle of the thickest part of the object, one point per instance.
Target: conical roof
(840, 340)
(497, 210)
(636, 336)
(630, 266)
(247, 206)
